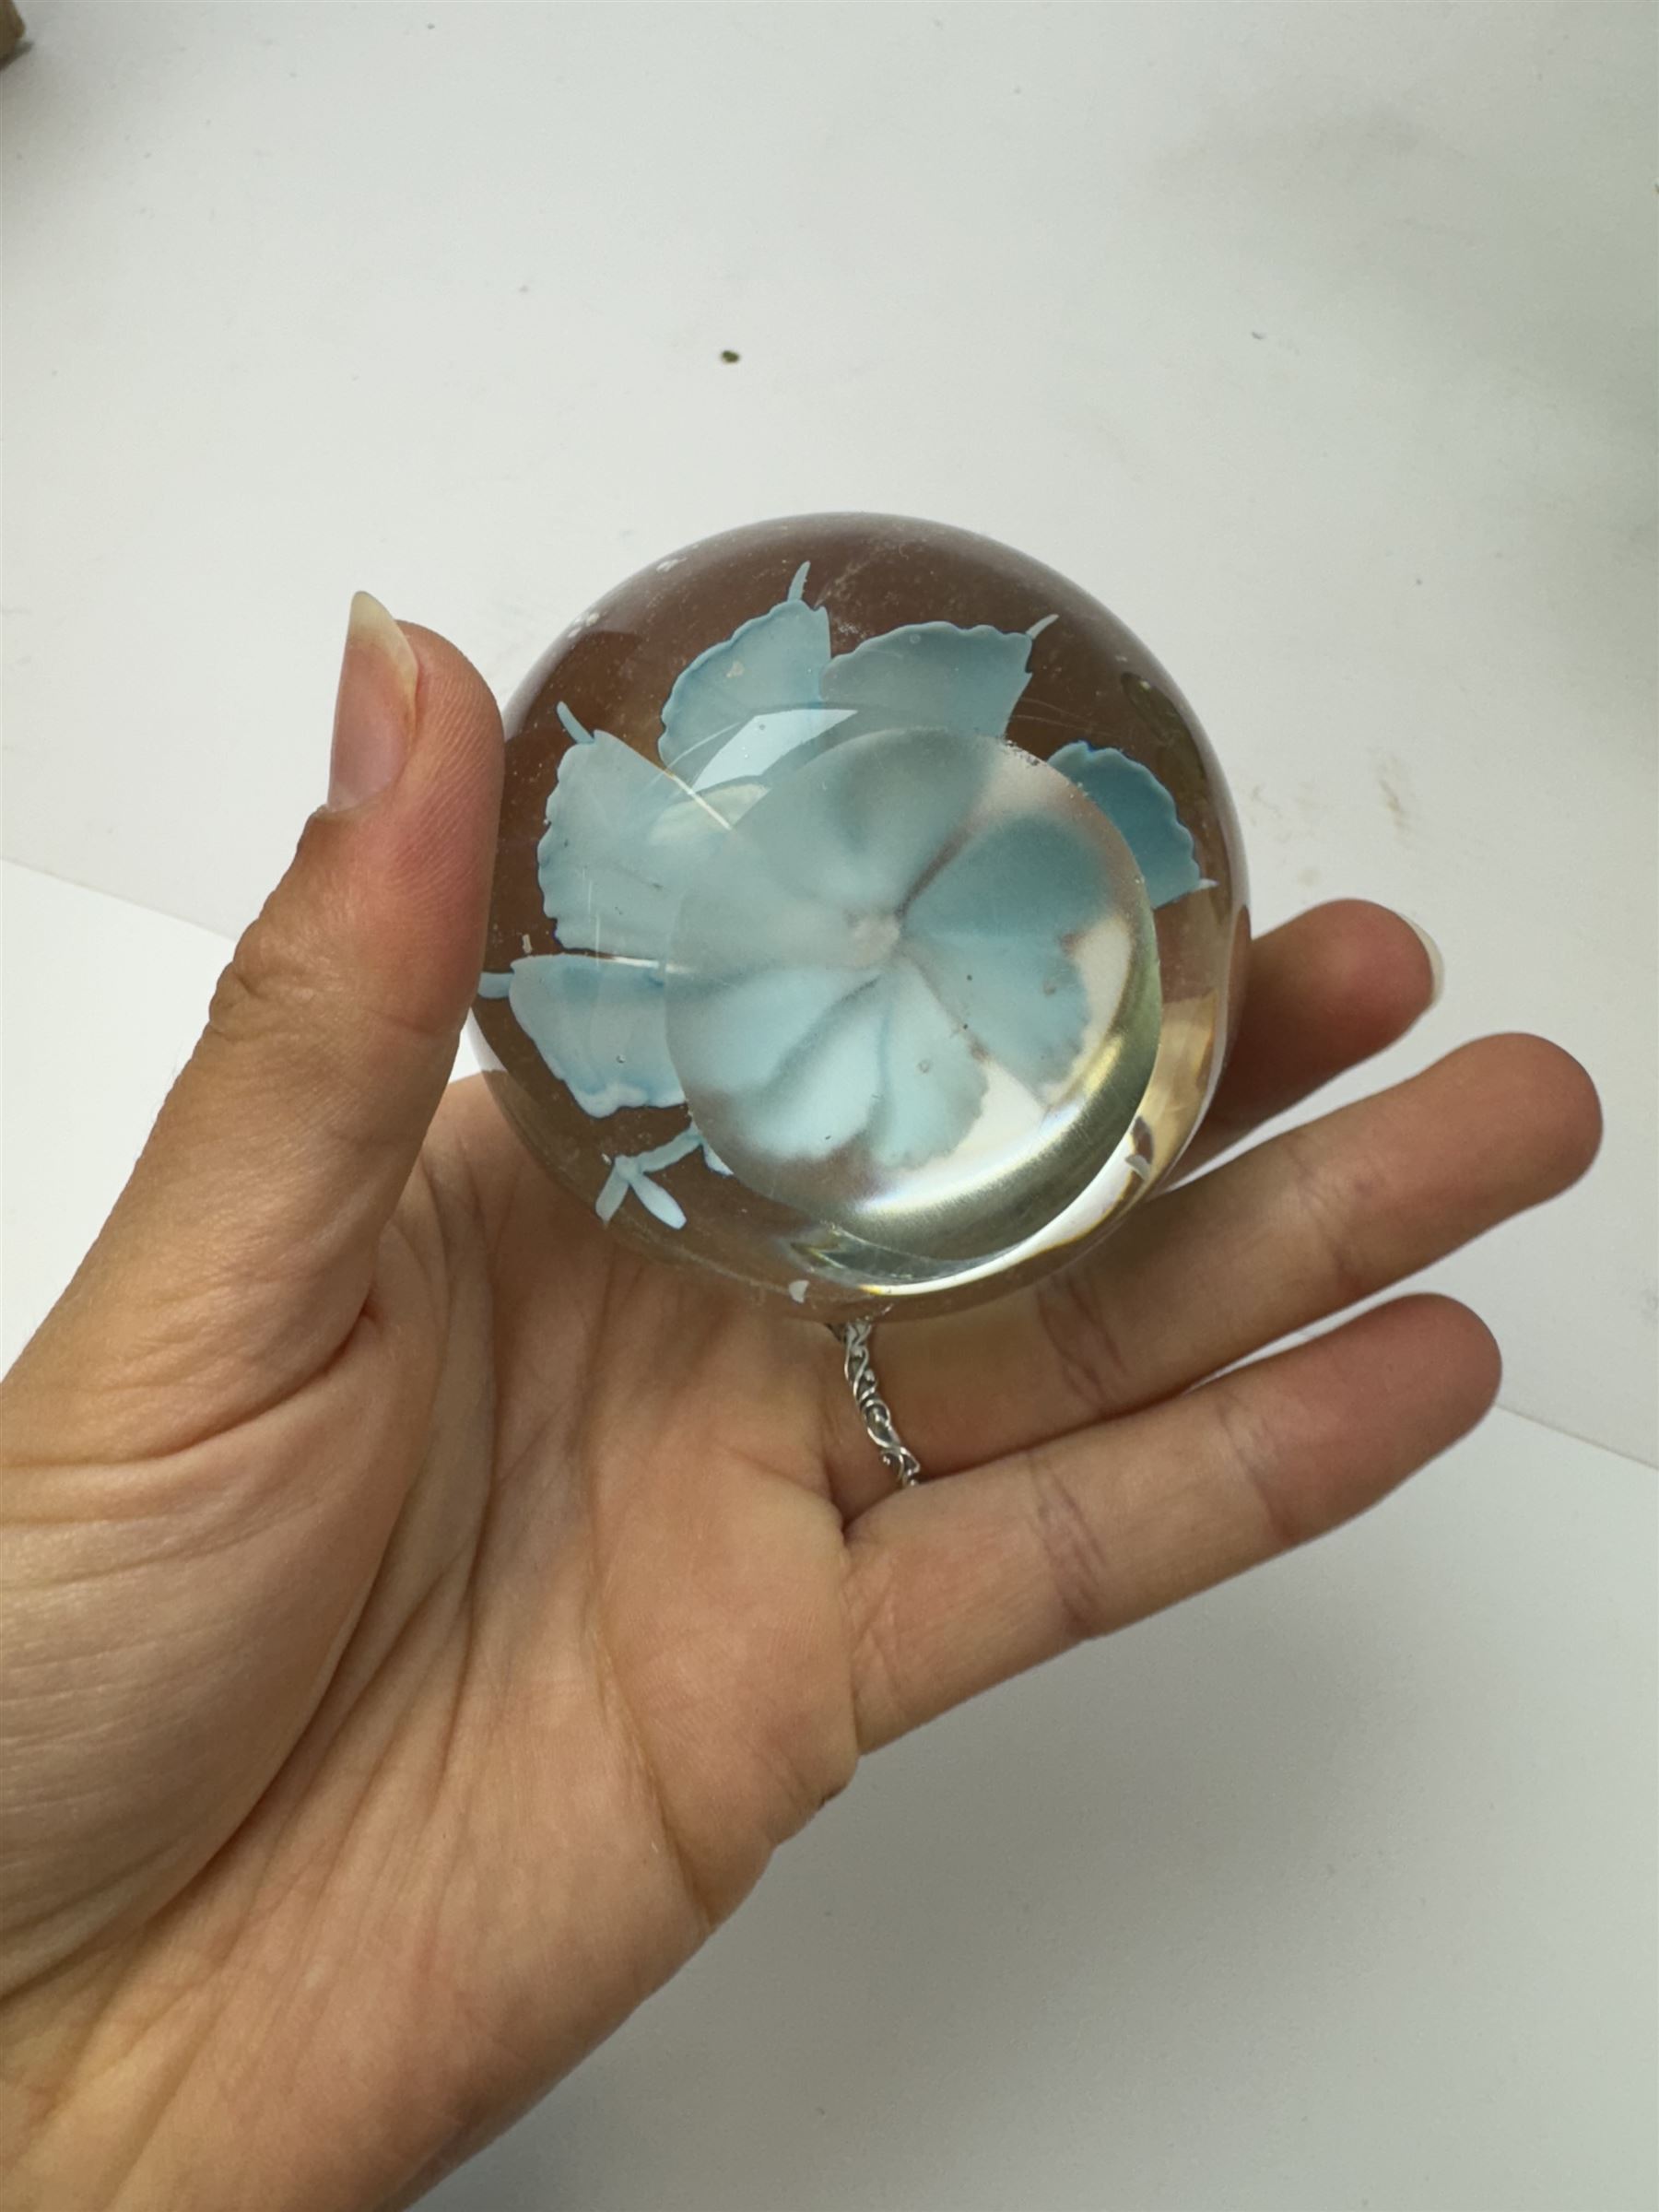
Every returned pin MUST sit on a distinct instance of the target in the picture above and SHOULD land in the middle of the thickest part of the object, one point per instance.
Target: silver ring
(879, 1425)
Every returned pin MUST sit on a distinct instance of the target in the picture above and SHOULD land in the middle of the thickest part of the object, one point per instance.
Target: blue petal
(989, 933)
(633, 1171)
(814, 876)
(931, 675)
(859, 828)
(669, 1155)
(599, 1026)
(622, 843)
(932, 1085)
(764, 740)
(1142, 812)
(1022, 878)
(613, 1191)
(767, 664)
(656, 1200)
(740, 918)
(828, 1090)
(1026, 1005)
(737, 1035)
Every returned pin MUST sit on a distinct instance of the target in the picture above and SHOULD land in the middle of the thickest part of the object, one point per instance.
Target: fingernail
(374, 713)
(1437, 966)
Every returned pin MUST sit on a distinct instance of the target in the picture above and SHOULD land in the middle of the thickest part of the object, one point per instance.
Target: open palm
(428, 1615)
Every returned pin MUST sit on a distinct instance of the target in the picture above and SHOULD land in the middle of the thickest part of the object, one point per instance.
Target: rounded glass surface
(867, 914)
(917, 1000)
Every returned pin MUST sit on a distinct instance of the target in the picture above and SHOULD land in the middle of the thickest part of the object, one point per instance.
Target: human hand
(426, 1616)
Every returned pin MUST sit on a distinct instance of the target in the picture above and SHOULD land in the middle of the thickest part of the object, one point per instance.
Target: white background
(1319, 342)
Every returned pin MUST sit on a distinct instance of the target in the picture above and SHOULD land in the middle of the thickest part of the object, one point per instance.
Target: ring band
(879, 1425)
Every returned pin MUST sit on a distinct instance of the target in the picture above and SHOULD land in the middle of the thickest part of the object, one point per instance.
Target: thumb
(241, 1253)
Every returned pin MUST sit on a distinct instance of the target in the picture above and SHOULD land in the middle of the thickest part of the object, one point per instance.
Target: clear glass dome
(867, 916)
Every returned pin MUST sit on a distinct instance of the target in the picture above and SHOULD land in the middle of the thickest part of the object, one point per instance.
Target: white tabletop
(1318, 343)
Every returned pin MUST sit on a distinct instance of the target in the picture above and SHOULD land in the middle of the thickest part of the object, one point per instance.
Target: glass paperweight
(868, 914)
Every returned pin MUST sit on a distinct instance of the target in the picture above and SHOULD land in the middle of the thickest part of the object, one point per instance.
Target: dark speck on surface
(727, 355)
